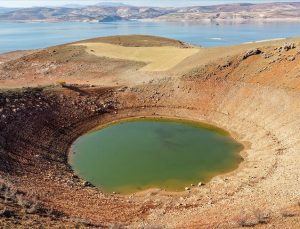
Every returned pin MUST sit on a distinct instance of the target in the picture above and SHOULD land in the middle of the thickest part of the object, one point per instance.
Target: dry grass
(158, 58)
(27, 201)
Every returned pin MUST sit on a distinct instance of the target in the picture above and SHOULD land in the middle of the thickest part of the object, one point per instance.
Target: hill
(219, 13)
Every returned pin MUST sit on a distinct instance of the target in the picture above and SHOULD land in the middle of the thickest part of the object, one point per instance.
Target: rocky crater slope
(52, 96)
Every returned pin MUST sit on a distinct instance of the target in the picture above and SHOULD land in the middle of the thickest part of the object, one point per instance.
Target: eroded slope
(251, 90)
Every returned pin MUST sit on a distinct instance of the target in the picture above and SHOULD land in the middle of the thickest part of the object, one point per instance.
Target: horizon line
(81, 3)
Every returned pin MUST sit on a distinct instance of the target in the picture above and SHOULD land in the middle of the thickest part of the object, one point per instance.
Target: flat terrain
(251, 90)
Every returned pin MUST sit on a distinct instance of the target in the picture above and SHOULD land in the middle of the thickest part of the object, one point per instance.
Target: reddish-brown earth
(254, 95)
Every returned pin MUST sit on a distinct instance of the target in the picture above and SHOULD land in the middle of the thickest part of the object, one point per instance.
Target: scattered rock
(266, 56)
(187, 188)
(290, 58)
(87, 184)
(287, 47)
(251, 52)
(6, 213)
(200, 184)
(226, 65)
(122, 89)
(75, 176)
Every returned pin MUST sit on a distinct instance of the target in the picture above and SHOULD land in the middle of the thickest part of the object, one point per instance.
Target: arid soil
(52, 96)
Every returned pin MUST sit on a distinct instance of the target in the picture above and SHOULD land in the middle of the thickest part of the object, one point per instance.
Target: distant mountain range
(5, 10)
(112, 4)
(105, 12)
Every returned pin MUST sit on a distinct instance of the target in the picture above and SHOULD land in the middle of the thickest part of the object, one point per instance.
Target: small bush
(244, 222)
(27, 201)
(34, 208)
(7, 191)
(261, 217)
(287, 214)
(258, 217)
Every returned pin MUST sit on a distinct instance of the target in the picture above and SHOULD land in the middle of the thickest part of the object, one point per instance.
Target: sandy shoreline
(260, 41)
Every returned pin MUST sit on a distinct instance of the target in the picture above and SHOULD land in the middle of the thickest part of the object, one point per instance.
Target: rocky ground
(251, 90)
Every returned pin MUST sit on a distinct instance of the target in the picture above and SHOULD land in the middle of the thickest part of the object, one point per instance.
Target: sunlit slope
(157, 58)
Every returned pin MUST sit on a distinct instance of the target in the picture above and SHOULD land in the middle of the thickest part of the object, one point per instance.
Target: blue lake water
(20, 36)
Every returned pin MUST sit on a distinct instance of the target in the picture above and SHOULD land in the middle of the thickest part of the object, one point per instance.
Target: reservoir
(20, 36)
(139, 154)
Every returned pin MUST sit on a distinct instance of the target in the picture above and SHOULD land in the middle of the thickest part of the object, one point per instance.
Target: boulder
(251, 52)
(287, 47)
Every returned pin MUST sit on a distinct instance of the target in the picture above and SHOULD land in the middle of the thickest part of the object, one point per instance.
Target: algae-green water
(139, 154)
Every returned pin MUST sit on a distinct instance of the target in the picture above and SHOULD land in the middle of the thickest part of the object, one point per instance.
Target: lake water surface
(20, 36)
(139, 154)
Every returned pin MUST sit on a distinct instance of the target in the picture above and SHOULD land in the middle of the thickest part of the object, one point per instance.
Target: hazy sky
(30, 3)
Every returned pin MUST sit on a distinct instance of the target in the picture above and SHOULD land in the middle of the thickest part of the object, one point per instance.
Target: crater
(256, 99)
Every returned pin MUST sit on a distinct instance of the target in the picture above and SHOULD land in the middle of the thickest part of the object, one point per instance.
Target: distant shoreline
(266, 40)
(224, 21)
(158, 20)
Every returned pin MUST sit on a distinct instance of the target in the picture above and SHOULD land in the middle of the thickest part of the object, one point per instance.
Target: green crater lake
(140, 154)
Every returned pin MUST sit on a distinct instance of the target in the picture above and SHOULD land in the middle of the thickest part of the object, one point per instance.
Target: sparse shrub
(262, 217)
(245, 222)
(21, 201)
(82, 222)
(287, 214)
(116, 226)
(7, 191)
(28, 202)
(258, 217)
(49, 212)
(34, 208)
